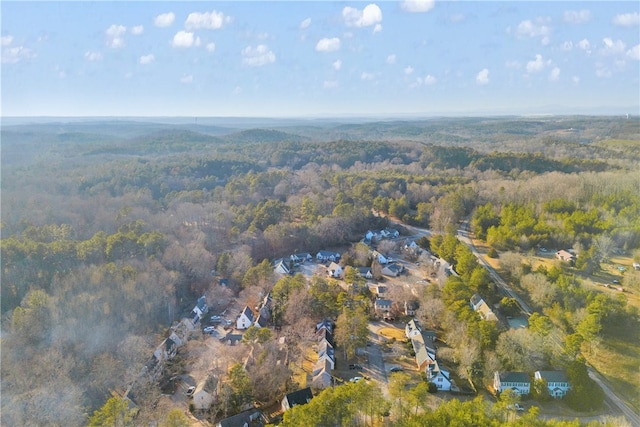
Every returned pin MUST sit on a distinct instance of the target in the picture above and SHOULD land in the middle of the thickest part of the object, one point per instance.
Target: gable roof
(553, 376)
(299, 397)
(382, 303)
(247, 313)
(326, 324)
(325, 335)
(202, 304)
(513, 377)
(241, 419)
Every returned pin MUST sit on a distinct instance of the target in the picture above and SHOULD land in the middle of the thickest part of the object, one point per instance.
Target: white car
(355, 379)
(209, 329)
(190, 391)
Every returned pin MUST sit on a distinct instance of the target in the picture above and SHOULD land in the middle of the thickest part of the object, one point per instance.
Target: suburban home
(322, 373)
(519, 382)
(324, 256)
(199, 310)
(325, 324)
(389, 233)
(479, 306)
(379, 257)
(265, 307)
(382, 305)
(565, 256)
(231, 339)
(324, 334)
(425, 351)
(392, 270)
(557, 382)
(281, 267)
(410, 308)
(412, 246)
(250, 418)
(335, 270)
(245, 319)
(301, 257)
(300, 397)
(371, 236)
(412, 329)
(325, 347)
(204, 394)
(261, 321)
(328, 359)
(365, 272)
(438, 376)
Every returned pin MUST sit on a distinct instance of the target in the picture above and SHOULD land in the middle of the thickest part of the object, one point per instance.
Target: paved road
(629, 414)
(375, 367)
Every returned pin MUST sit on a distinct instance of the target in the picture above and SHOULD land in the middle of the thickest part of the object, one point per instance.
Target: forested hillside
(110, 231)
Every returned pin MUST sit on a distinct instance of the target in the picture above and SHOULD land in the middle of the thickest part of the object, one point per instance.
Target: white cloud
(366, 76)
(429, 80)
(137, 30)
(585, 45)
(114, 36)
(612, 47)
(211, 47)
(457, 17)
(328, 44)
(537, 28)
(575, 80)
(408, 70)
(208, 20)
(415, 6)
(377, 28)
(602, 70)
(568, 45)
(370, 15)
(6, 40)
(13, 55)
(164, 19)
(147, 59)
(577, 16)
(483, 77)
(337, 65)
(554, 75)
(627, 19)
(93, 56)
(536, 65)
(634, 52)
(305, 24)
(258, 56)
(183, 39)
(391, 59)
(330, 84)
(186, 79)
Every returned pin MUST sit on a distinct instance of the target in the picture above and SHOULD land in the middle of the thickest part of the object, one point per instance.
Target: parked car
(209, 329)
(396, 369)
(516, 407)
(355, 366)
(355, 379)
(190, 391)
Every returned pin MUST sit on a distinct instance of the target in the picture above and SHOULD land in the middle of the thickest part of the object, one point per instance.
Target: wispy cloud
(137, 30)
(6, 40)
(577, 16)
(627, 19)
(391, 59)
(554, 75)
(305, 24)
(147, 59)
(213, 20)
(537, 64)
(537, 28)
(634, 52)
(93, 56)
(337, 65)
(211, 47)
(186, 79)
(115, 35)
(257, 56)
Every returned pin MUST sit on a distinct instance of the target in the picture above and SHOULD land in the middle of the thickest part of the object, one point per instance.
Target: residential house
(301, 257)
(557, 382)
(389, 233)
(410, 308)
(335, 270)
(377, 290)
(322, 373)
(412, 329)
(379, 257)
(425, 351)
(482, 308)
(519, 382)
(204, 395)
(324, 256)
(231, 338)
(300, 397)
(438, 376)
(565, 256)
(365, 272)
(261, 322)
(328, 358)
(382, 305)
(245, 319)
(265, 307)
(324, 334)
(281, 267)
(325, 324)
(250, 418)
(199, 310)
(371, 236)
(392, 270)
(412, 246)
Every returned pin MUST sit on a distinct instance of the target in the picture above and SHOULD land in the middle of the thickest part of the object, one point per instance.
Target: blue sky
(300, 58)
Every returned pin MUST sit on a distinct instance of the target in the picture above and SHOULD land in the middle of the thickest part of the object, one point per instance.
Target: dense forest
(111, 231)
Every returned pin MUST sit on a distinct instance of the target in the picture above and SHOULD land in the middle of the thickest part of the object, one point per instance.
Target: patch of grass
(389, 333)
(617, 359)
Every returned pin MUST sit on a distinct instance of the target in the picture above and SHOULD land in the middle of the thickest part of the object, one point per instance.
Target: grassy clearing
(617, 359)
(389, 333)
(619, 143)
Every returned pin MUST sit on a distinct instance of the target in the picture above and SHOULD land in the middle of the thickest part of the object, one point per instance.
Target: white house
(519, 382)
(365, 272)
(382, 305)
(412, 329)
(381, 258)
(393, 270)
(439, 376)
(281, 267)
(199, 310)
(557, 382)
(202, 396)
(245, 319)
(335, 270)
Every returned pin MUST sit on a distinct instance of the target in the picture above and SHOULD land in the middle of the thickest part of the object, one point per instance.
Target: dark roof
(239, 420)
(262, 321)
(299, 397)
(202, 303)
(247, 312)
(476, 299)
(326, 323)
(169, 344)
(514, 377)
(554, 376)
(326, 335)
